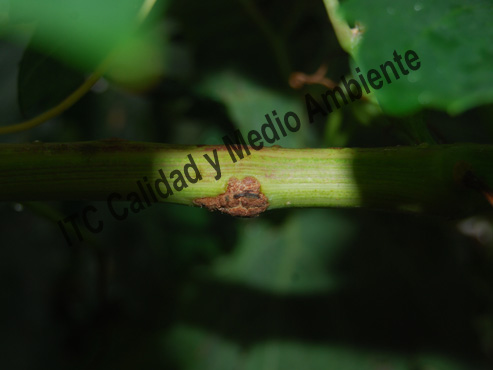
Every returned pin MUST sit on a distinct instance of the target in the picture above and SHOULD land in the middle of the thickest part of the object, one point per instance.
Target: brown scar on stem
(241, 199)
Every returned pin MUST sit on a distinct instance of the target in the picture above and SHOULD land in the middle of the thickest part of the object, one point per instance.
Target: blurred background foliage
(179, 288)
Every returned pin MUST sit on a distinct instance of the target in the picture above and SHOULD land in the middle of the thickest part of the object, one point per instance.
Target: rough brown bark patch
(241, 199)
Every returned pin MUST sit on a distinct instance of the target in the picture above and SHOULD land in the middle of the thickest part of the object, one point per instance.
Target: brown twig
(298, 79)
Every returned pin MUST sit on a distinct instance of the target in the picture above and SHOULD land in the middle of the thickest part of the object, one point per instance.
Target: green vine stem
(420, 179)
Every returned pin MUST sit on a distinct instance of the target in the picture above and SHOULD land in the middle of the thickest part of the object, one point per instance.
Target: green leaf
(248, 102)
(198, 350)
(452, 39)
(83, 33)
(91, 27)
(278, 260)
(314, 291)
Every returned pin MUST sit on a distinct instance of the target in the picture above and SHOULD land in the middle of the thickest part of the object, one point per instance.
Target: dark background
(177, 287)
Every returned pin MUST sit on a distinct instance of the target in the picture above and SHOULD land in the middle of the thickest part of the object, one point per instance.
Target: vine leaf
(274, 303)
(247, 103)
(452, 39)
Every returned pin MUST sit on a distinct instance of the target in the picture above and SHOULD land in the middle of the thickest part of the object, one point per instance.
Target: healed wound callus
(241, 199)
